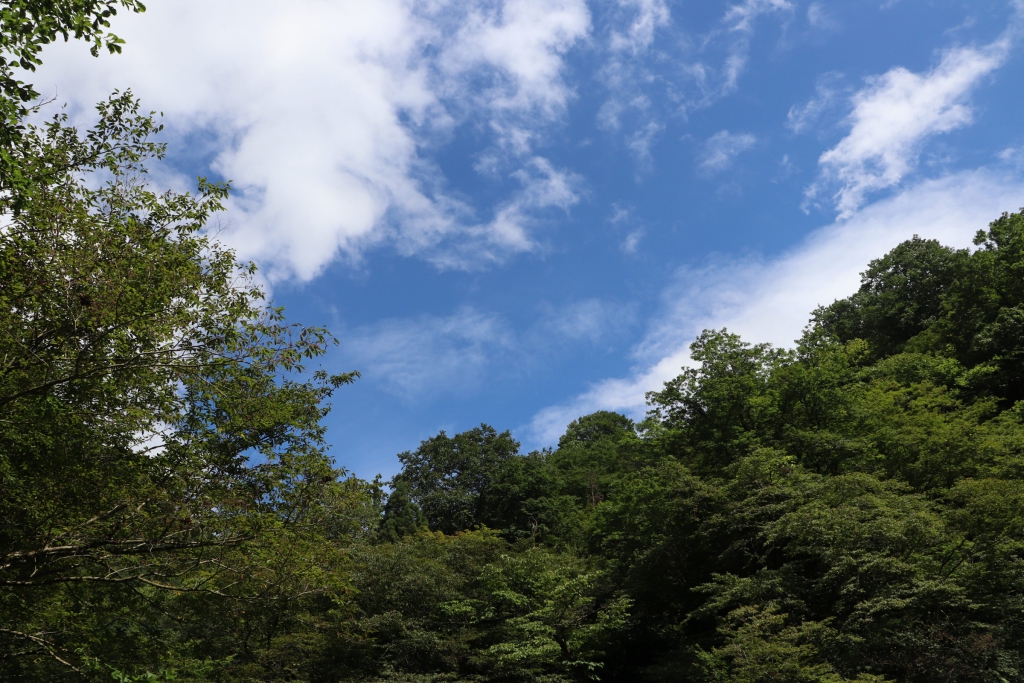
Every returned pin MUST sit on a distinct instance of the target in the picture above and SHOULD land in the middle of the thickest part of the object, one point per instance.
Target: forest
(849, 509)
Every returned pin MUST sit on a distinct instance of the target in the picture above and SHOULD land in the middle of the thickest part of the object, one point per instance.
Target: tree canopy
(849, 509)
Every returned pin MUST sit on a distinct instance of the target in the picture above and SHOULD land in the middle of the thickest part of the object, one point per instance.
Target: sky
(518, 212)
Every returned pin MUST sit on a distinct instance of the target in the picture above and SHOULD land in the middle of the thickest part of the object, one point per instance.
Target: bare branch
(46, 645)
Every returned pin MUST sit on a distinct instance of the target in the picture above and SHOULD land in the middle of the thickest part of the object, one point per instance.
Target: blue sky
(520, 211)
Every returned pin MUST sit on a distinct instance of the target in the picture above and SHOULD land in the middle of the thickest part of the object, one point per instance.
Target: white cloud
(786, 169)
(771, 300)
(893, 115)
(543, 187)
(620, 214)
(826, 96)
(650, 15)
(626, 73)
(427, 355)
(589, 320)
(722, 147)
(323, 114)
(1012, 155)
(724, 53)
(741, 17)
(623, 217)
(740, 22)
(641, 141)
(818, 17)
(708, 67)
(520, 45)
(632, 241)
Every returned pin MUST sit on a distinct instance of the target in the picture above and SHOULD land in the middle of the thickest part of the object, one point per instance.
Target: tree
(900, 295)
(472, 607)
(154, 416)
(474, 478)
(594, 427)
(26, 27)
(849, 510)
(402, 517)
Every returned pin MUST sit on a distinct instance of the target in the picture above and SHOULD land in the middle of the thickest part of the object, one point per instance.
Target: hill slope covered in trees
(851, 509)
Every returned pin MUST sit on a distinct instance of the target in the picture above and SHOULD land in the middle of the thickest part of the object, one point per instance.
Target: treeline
(851, 509)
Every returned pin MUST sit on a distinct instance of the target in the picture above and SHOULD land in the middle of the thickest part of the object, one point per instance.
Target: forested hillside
(851, 509)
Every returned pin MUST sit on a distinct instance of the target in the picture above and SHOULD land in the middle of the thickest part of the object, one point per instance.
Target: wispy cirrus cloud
(891, 118)
(735, 34)
(626, 73)
(543, 188)
(818, 17)
(705, 68)
(428, 355)
(648, 17)
(828, 93)
(421, 357)
(722, 148)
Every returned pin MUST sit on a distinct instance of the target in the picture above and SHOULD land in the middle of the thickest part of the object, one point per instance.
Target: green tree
(26, 27)
(472, 607)
(154, 419)
(900, 295)
(474, 478)
(402, 516)
(592, 453)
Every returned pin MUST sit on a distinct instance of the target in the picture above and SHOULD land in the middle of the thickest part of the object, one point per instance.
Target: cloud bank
(771, 301)
(328, 116)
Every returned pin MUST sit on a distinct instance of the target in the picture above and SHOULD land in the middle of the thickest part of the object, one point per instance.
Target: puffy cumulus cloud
(722, 147)
(518, 45)
(892, 117)
(321, 112)
(771, 300)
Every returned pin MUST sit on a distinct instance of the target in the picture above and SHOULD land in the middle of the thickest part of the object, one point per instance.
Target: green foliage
(818, 514)
(26, 27)
(848, 510)
(472, 606)
(959, 305)
(475, 478)
(900, 295)
(402, 517)
(159, 447)
(761, 647)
